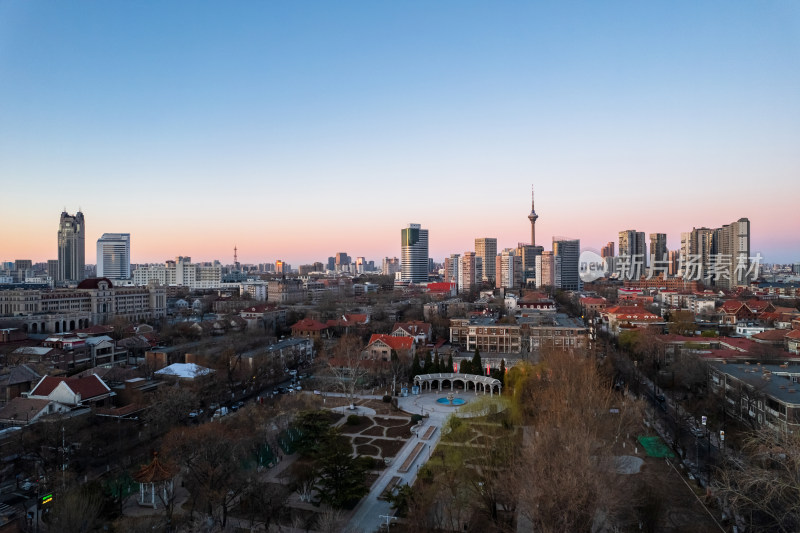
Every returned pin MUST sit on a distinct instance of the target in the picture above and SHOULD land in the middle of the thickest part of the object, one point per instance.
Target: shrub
(415, 418)
(367, 462)
(387, 399)
(353, 420)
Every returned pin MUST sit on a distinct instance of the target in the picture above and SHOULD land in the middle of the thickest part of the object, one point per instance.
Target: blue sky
(296, 130)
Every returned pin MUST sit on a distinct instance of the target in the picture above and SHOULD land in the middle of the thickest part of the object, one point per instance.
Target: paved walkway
(366, 516)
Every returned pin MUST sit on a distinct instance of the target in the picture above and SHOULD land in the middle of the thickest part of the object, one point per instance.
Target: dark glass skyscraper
(414, 253)
(71, 248)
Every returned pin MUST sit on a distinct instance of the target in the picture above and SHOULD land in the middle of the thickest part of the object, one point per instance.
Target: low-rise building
(380, 347)
(485, 334)
(628, 316)
(759, 395)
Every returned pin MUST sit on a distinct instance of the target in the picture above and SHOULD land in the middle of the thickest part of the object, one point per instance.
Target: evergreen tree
(415, 367)
(428, 363)
(342, 476)
(437, 364)
(450, 363)
(466, 366)
(477, 364)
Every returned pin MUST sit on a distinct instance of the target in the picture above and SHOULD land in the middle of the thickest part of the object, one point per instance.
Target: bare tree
(346, 366)
(762, 485)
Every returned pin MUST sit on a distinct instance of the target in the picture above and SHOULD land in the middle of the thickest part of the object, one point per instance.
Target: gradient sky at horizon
(295, 130)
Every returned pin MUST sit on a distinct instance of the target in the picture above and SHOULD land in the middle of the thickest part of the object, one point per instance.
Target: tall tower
(114, 256)
(414, 254)
(71, 247)
(533, 217)
(486, 249)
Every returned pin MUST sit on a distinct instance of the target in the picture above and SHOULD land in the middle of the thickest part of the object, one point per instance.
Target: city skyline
(282, 130)
(673, 244)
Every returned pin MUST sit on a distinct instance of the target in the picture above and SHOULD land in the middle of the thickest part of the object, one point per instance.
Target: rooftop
(773, 380)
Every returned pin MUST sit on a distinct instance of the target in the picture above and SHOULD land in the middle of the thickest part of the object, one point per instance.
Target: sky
(295, 130)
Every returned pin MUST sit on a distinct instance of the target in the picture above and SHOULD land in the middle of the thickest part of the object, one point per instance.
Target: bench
(406, 466)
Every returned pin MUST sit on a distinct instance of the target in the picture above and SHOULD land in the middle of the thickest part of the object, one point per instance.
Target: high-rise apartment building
(674, 262)
(608, 250)
(508, 268)
(633, 245)
(451, 268)
(566, 258)
(52, 268)
(486, 249)
(717, 256)
(528, 255)
(414, 254)
(658, 246)
(732, 248)
(390, 266)
(71, 248)
(470, 272)
(114, 256)
(545, 270)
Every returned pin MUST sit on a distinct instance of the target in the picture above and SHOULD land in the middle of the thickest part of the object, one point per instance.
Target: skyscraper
(545, 275)
(658, 246)
(508, 268)
(414, 254)
(732, 247)
(633, 248)
(533, 217)
(114, 256)
(486, 249)
(71, 248)
(470, 270)
(566, 256)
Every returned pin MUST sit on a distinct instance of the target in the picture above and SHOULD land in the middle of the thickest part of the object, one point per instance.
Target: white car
(298, 387)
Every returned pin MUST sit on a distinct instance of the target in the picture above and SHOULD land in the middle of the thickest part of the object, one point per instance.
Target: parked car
(293, 372)
(196, 413)
(238, 405)
(298, 387)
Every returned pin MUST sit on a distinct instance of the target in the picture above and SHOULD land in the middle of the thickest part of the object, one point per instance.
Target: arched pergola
(486, 383)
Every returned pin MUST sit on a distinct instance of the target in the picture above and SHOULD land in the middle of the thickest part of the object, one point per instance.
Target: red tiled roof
(770, 335)
(356, 318)
(440, 286)
(793, 334)
(88, 387)
(308, 324)
(737, 343)
(23, 408)
(413, 328)
(633, 312)
(395, 343)
(757, 305)
(533, 297)
(593, 301)
(731, 306)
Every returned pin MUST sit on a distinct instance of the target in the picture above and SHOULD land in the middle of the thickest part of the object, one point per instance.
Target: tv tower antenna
(533, 217)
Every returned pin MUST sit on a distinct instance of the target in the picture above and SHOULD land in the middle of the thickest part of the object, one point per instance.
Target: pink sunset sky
(296, 131)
